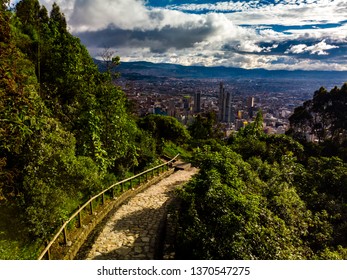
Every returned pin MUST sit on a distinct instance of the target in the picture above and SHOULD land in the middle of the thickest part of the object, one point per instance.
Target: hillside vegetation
(66, 132)
(263, 197)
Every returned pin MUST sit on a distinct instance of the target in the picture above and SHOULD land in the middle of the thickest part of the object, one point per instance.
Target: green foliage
(205, 127)
(170, 150)
(164, 128)
(145, 149)
(254, 129)
(52, 176)
(323, 118)
(21, 109)
(229, 212)
(105, 131)
(252, 142)
(65, 132)
(253, 200)
(14, 243)
(110, 62)
(82, 99)
(323, 187)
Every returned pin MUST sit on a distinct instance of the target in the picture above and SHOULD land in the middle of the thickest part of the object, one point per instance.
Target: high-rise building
(197, 102)
(220, 101)
(250, 105)
(226, 112)
(250, 102)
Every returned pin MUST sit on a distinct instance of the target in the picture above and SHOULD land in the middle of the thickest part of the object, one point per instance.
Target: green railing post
(65, 234)
(79, 217)
(103, 198)
(121, 187)
(91, 207)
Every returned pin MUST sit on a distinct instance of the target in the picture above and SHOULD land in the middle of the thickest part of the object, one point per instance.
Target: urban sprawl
(234, 103)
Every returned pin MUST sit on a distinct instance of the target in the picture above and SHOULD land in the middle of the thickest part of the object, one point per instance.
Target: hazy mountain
(145, 70)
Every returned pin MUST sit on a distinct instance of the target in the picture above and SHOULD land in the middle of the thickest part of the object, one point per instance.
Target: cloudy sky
(270, 34)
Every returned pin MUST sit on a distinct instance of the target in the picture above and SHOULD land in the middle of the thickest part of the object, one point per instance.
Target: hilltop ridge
(143, 69)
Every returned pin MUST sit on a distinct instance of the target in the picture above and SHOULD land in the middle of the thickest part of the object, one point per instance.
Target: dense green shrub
(262, 197)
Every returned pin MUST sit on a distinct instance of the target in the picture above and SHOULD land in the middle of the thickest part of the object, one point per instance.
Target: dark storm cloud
(157, 40)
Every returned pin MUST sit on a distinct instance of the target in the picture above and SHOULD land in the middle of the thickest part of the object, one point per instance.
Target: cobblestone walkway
(131, 232)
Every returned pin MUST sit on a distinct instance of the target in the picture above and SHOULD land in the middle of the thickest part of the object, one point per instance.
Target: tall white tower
(226, 112)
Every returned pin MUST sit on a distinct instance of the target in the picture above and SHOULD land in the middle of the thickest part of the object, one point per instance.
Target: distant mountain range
(142, 70)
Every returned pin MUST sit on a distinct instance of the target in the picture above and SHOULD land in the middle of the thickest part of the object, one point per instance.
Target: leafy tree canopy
(164, 128)
(323, 120)
(64, 126)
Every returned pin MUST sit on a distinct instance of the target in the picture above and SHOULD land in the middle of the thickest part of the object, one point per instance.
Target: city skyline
(276, 34)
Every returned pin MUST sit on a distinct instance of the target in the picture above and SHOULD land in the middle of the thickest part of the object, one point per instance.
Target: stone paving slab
(131, 232)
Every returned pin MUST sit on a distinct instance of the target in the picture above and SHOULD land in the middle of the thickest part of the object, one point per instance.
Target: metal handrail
(74, 215)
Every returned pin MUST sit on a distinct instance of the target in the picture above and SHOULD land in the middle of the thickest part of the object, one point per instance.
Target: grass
(14, 241)
(171, 150)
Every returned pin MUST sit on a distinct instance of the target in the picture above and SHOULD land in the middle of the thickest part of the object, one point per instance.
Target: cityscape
(234, 101)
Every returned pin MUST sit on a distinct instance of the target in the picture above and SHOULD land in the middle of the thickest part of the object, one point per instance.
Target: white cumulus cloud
(319, 48)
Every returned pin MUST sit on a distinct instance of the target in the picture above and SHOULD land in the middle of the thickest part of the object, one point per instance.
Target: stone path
(131, 232)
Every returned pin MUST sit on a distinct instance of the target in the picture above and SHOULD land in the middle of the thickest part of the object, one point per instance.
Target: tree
(261, 197)
(110, 61)
(64, 127)
(82, 99)
(21, 109)
(322, 117)
(205, 127)
(229, 212)
(28, 11)
(164, 128)
(323, 186)
(55, 181)
(58, 19)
